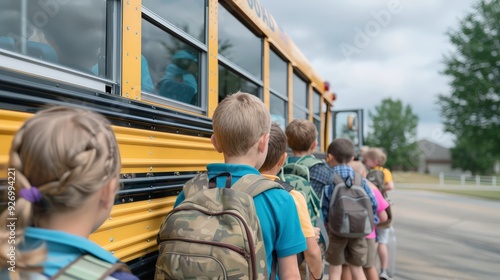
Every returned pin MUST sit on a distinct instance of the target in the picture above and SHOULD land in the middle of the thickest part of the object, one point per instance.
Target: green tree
(394, 129)
(466, 158)
(471, 112)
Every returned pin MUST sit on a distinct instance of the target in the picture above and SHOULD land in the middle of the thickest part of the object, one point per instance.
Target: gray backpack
(350, 213)
(376, 176)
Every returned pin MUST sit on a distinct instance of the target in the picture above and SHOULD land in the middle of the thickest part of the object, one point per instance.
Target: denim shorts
(383, 235)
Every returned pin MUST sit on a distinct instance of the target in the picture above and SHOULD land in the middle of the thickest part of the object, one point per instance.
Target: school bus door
(348, 124)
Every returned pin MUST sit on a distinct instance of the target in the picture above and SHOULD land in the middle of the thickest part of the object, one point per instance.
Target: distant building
(434, 158)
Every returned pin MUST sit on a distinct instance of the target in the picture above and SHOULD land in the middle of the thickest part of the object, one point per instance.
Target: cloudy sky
(374, 49)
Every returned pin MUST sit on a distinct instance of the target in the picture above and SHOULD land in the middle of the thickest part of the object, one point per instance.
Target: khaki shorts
(346, 251)
(372, 253)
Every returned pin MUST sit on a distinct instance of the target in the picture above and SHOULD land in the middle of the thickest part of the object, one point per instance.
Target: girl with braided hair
(67, 166)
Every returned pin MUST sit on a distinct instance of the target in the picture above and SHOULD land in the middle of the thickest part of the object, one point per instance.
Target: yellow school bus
(157, 70)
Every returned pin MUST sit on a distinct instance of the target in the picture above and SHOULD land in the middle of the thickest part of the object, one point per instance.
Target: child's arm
(382, 216)
(373, 201)
(389, 182)
(389, 186)
(313, 257)
(291, 269)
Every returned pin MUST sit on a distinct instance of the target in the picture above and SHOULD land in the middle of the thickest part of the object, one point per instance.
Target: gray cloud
(400, 58)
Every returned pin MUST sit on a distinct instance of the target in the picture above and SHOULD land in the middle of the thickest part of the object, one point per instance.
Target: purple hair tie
(32, 194)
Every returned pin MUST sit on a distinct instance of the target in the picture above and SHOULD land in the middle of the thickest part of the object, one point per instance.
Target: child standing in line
(241, 124)
(67, 165)
(342, 250)
(276, 156)
(369, 268)
(375, 158)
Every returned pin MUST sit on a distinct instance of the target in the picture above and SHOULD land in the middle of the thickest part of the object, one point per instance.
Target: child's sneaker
(383, 275)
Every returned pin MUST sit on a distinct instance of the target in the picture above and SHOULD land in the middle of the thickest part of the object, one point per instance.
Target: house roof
(433, 151)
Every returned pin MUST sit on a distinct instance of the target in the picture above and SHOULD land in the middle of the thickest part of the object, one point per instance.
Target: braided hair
(66, 153)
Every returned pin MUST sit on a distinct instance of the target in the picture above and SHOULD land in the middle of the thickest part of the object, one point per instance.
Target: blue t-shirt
(275, 209)
(146, 81)
(187, 77)
(63, 248)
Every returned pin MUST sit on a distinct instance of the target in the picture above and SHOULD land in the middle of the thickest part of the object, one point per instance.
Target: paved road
(443, 236)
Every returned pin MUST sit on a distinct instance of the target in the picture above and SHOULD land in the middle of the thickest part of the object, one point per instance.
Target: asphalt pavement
(442, 236)
(446, 236)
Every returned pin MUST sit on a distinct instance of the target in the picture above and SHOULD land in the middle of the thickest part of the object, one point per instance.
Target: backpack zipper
(247, 231)
(237, 249)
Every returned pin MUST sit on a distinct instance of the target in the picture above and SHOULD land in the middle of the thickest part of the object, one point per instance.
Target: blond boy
(276, 156)
(375, 158)
(241, 125)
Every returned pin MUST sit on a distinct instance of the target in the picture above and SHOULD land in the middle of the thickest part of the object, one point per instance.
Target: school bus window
(278, 73)
(230, 82)
(74, 37)
(279, 110)
(317, 115)
(316, 103)
(317, 123)
(299, 114)
(300, 100)
(189, 16)
(169, 67)
(238, 44)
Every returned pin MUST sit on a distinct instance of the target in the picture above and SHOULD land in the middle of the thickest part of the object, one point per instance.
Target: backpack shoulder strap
(358, 180)
(196, 184)
(89, 267)
(309, 161)
(253, 185)
(337, 179)
(284, 184)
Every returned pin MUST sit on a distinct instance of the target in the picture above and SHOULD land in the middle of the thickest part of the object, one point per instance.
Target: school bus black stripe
(30, 94)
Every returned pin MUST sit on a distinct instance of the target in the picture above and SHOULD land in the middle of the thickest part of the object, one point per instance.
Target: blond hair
(376, 154)
(276, 147)
(301, 135)
(357, 166)
(239, 121)
(67, 154)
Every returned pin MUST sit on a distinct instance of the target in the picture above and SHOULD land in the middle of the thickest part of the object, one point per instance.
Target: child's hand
(316, 233)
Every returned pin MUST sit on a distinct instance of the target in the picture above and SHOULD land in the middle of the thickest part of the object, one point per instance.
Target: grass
(417, 178)
(495, 195)
(401, 177)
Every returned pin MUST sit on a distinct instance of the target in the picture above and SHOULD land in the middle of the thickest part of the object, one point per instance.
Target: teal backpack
(297, 175)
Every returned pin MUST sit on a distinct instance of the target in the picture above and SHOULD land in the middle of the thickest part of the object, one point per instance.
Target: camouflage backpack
(376, 176)
(215, 232)
(297, 175)
(350, 213)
